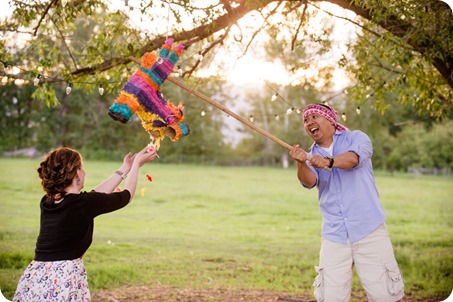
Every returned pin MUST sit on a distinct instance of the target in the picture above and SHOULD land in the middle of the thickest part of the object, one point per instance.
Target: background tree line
(401, 139)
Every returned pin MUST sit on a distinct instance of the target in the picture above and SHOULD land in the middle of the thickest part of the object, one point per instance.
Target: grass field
(227, 227)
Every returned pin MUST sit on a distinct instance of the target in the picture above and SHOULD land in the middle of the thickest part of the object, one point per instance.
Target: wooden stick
(226, 110)
(229, 112)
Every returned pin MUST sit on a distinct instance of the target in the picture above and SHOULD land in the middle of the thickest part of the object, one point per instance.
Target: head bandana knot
(325, 111)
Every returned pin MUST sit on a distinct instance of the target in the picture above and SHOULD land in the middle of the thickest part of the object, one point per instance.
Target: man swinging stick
(353, 228)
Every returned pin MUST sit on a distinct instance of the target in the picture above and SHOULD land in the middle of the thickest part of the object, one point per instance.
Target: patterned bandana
(325, 111)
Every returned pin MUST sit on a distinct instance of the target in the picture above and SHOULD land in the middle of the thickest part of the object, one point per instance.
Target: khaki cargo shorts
(374, 262)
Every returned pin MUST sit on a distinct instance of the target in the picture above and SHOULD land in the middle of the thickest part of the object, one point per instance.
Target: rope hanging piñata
(142, 95)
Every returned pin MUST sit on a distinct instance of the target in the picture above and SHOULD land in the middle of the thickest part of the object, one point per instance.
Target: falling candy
(150, 179)
(143, 191)
(151, 148)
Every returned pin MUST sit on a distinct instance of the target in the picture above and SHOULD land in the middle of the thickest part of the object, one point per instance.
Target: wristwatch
(331, 161)
(120, 173)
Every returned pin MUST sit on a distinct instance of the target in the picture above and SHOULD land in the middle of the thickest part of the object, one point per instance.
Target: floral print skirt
(55, 281)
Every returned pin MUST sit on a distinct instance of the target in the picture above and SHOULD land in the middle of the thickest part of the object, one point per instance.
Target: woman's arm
(145, 155)
(111, 183)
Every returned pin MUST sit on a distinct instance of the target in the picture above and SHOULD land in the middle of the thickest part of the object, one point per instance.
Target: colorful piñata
(142, 95)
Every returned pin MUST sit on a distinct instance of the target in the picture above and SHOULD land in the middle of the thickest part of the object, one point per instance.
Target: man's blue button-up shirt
(348, 198)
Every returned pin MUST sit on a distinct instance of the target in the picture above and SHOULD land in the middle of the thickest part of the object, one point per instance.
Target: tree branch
(401, 29)
(65, 44)
(188, 37)
(301, 23)
(266, 18)
(43, 16)
(205, 51)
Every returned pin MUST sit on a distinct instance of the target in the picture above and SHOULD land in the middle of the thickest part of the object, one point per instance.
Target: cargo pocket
(395, 281)
(319, 284)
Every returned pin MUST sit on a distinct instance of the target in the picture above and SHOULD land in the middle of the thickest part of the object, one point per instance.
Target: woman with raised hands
(57, 272)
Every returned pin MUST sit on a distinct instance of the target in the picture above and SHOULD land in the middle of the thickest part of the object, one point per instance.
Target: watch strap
(331, 161)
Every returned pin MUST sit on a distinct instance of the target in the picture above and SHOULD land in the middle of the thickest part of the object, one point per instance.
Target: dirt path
(170, 294)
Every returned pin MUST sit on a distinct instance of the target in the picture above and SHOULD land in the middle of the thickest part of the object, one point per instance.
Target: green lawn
(241, 227)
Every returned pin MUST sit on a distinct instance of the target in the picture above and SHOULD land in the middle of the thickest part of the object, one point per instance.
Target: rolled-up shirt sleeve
(361, 145)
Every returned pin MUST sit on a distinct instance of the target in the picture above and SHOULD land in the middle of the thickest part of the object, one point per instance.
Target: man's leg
(377, 267)
(334, 280)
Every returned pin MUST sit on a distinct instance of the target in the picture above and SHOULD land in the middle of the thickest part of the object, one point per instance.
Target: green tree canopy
(405, 46)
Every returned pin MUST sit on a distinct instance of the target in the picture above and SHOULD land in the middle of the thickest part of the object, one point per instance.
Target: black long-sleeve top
(66, 229)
